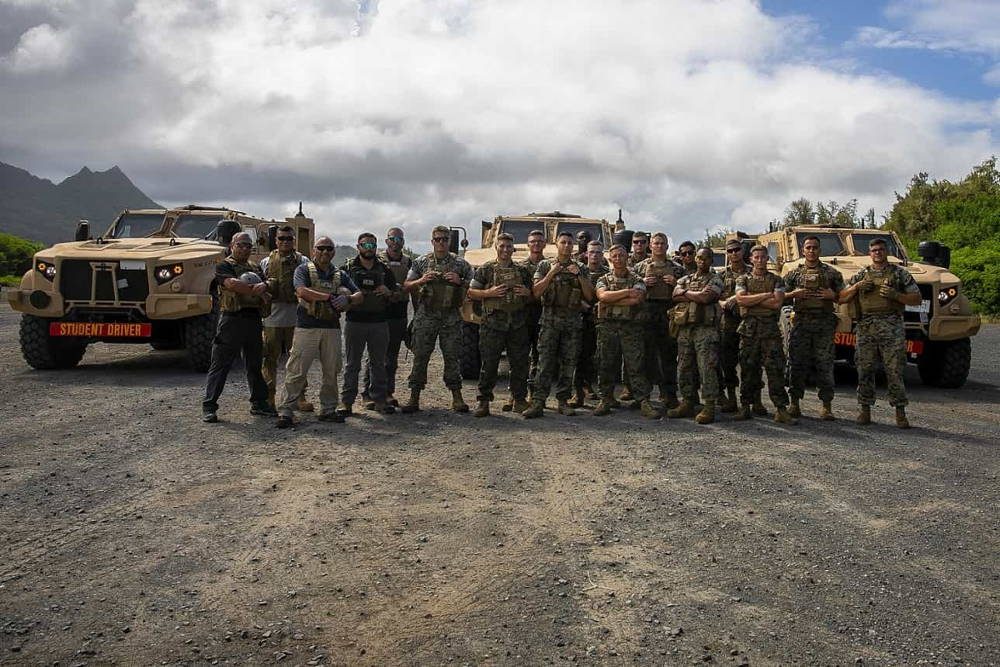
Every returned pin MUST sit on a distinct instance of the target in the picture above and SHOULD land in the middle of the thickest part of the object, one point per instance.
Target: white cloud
(39, 49)
(971, 26)
(687, 114)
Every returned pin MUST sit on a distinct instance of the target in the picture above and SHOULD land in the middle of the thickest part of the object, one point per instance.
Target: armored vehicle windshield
(521, 228)
(136, 225)
(831, 244)
(595, 229)
(860, 241)
(189, 225)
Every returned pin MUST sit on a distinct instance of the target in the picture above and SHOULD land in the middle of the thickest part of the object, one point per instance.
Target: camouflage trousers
(698, 358)
(558, 350)
(428, 327)
(660, 349)
(881, 338)
(618, 341)
(762, 351)
(810, 346)
(492, 343)
(729, 356)
(534, 312)
(586, 363)
(277, 341)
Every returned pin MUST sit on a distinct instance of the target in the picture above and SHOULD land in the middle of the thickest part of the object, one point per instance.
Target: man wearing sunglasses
(685, 254)
(366, 326)
(279, 327)
(324, 292)
(439, 279)
(729, 337)
(396, 316)
(640, 249)
(883, 291)
(243, 298)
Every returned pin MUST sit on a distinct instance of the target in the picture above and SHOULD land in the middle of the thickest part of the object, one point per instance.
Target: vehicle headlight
(47, 269)
(947, 294)
(167, 273)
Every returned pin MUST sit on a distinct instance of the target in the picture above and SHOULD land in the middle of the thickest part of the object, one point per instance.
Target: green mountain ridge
(38, 209)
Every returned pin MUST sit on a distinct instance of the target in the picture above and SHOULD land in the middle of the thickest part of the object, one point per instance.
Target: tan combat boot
(303, 405)
(508, 406)
(795, 410)
(826, 414)
(901, 420)
(520, 405)
(864, 415)
(649, 411)
(565, 409)
(744, 413)
(707, 414)
(603, 408)
(782, 417)
(684, 409)
(626, 395)
(457, 402)
(577, 400)
(669, 400)
(482, 410)
(728, 404)
(413, 403)
(537, 409)
(758, 407)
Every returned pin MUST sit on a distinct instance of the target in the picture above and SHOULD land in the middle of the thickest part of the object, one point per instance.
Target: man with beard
(366, 325)
(561, 284)
(503, 288)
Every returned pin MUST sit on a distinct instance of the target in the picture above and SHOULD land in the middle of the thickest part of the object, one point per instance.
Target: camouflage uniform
(620, 338)
(729, 337)
(881, 335)
(586, 364)
(660, 346)
(559, 337)
(438, 316)
(504, 326)
(279, 327)
(810, 341)
(761, 347)
(533, 312)
(698, 340)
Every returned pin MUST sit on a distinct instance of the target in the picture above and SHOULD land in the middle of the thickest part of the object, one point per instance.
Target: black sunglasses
(686, 253)
(734, 250)
(397, 239)
(286, 238)
(440, 239)
(324, 248)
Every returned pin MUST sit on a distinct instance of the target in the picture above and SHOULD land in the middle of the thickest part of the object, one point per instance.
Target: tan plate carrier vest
(760, 285)
(608, 311)
(282, 272)
(231, 302)
(688, 313)
(661, 291)
(813, 279)
(439, 294)
(564, 292)
(873, 303)
(511, 277)
(321, 310)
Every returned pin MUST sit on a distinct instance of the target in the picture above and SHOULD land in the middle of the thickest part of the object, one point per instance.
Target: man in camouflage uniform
(686, 255)
(279, 327)
(243, 299)
(585, 378)
(503, 287)
(640, 249)
(533, 311)
(729, 338)
(814, 288)
(660, 274)
(883, 291)
(696, 316)
(620, 294)
(561, 284)
(440, 279)
(759, 295)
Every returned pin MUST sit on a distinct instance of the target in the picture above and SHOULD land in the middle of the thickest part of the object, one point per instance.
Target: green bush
(16, 255)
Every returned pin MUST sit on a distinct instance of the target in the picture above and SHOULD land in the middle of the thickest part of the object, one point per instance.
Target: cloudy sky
(688, 114)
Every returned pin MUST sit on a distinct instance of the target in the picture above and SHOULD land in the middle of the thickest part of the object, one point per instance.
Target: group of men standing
(581, 321)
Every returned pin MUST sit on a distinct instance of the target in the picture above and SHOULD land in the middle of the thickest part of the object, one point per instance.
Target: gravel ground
(132, 533)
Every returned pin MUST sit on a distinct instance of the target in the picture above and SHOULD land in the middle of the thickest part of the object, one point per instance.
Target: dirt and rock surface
(132, 533)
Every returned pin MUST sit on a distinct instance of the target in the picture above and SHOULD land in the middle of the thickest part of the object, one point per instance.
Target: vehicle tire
(44, 352)
(946, 363)
(199, 332)
(470, 351)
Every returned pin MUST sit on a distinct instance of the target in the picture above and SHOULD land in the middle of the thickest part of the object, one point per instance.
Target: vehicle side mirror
(937, 254)
(453, 242)
(82, 231)
(226, 230)
(272, 237)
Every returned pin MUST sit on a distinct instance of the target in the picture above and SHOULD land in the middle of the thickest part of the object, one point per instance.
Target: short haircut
(562, 234)
(659, 235)
(366, 235)
(536, 232)
(711, 253)
(441, 228)
(758, 247)
(389, 232)
(504, 236)
(595, 244)
(877, 241)
(286, 228)
(811, 237)
(617, 246)
(685, 244)
(639, 236)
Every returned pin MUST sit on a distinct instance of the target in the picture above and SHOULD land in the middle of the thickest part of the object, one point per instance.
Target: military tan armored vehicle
(552, 224)
(148, 279)
(938, 331)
